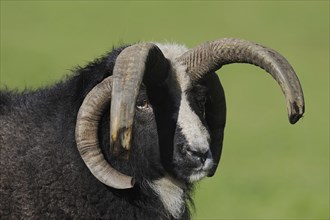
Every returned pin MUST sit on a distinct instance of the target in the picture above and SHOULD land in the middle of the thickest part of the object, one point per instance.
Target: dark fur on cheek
(197, 96)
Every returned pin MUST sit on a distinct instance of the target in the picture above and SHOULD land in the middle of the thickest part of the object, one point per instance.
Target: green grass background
(269, 168)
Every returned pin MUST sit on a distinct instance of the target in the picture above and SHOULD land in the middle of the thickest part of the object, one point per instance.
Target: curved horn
(88, 119)
(143, 61)
(210, 56)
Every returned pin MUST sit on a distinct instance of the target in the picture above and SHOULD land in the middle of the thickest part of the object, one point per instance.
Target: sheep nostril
(206, 155)
(182, 148)
(199, 155)
(202, 159)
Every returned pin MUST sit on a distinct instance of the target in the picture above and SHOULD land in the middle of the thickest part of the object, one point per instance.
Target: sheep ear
(215, 115)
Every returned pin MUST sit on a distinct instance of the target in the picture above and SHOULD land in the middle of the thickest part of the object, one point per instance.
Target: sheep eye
(144, 105)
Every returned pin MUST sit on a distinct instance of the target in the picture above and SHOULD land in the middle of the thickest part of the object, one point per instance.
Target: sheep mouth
(199, 174)
(201, 171)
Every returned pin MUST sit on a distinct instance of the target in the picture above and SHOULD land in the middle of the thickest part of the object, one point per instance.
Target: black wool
(42, 173)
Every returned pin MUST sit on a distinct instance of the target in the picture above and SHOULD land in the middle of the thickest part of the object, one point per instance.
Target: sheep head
(187, 101)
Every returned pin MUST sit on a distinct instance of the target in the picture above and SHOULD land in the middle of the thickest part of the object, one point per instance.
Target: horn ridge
(88, 119)
(211, 56)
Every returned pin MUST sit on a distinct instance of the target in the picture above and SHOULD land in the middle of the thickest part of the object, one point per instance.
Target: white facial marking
(194, 131)
(191, 126)
(171, 195)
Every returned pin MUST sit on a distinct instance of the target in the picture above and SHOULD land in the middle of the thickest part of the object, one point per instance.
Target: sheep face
(183, 133)
(187, 103)
(183, 148)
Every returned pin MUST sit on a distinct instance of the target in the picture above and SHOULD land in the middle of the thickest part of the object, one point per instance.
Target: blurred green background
(269, 168)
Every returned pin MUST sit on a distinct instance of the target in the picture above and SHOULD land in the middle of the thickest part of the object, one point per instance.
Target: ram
(127, 136)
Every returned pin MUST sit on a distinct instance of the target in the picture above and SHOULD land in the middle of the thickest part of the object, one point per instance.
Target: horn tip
(132, 182)
(294, 118)
(125, 135)
(297, 112)
(120, 147)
